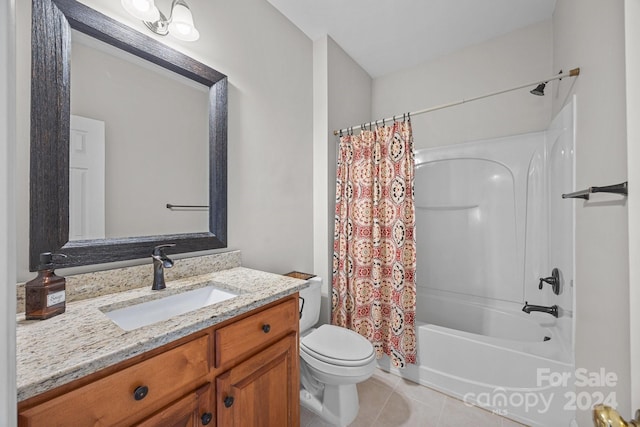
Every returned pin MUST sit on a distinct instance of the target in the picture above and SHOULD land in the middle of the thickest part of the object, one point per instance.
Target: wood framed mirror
(52, 25)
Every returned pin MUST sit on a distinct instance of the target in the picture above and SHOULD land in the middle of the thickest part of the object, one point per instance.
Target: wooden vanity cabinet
(242, 372)
(258, 360)
(263, 390)
(128, 395)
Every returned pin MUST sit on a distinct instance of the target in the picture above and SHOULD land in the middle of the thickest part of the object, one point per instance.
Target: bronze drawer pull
(228, 401)
(206, 418)
(266, 328)
(140, 392)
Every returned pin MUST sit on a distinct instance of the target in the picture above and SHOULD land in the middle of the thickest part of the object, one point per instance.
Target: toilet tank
(310, 308)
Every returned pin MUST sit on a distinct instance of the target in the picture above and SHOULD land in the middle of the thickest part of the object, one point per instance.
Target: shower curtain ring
(394, 118)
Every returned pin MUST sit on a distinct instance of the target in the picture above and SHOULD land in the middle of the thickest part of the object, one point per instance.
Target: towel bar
(584, 194)
(171, 206)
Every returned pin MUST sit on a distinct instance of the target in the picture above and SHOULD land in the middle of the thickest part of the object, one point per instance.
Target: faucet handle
(554, 281)
(158, 250)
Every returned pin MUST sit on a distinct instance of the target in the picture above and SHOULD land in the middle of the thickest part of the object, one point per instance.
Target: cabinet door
(193, 410)
(263, 391)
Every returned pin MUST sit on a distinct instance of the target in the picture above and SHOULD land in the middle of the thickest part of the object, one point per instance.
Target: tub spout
(528, 308)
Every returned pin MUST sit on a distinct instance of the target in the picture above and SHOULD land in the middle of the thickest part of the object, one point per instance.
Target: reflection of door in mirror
(86, 179)
(157, 151)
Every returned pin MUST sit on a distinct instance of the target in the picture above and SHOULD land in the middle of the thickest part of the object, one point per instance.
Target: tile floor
(387, 400)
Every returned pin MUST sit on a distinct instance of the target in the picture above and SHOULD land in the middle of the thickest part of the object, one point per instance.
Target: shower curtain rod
(572, 73)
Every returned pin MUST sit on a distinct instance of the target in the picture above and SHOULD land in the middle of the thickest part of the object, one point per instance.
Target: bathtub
(489, 223)
(498, 358)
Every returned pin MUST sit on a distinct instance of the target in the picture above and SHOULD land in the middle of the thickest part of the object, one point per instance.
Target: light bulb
(145, 10)
(181, 26)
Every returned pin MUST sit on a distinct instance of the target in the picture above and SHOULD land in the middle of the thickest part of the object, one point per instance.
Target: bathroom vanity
(231, 363)
(234, 363)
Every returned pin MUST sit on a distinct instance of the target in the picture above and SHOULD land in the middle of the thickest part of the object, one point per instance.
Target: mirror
(138, 141)
(52, 25)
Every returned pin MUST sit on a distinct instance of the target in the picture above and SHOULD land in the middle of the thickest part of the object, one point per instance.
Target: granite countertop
(84, 340)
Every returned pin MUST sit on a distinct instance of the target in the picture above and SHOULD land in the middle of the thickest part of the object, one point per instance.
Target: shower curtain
(374, 257)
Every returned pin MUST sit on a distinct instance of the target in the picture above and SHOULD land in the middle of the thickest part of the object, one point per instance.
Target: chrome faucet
(160, 262)
(553, 310)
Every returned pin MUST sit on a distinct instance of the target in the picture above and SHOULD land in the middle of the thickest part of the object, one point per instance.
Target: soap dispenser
(45, 295)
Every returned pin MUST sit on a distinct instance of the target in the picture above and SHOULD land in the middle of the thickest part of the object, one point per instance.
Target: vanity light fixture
(179, 24)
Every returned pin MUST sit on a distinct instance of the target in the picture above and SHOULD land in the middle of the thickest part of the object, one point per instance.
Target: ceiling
(384, 36)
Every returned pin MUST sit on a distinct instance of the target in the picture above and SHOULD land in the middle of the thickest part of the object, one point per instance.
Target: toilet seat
(337, 346)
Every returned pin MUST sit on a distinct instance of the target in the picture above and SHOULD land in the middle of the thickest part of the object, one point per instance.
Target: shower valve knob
(554, 281)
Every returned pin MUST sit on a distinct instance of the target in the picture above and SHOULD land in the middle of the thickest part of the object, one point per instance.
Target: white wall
(342, 97)
(632, 53)
(590, 34)
(322, 157)
(269, 65)
(517, 58)
(7, 216)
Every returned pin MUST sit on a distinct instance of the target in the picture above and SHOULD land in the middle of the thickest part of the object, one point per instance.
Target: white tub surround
(84, 340)
(490, 222)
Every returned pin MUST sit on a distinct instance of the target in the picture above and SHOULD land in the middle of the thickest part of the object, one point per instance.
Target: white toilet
(332, 361)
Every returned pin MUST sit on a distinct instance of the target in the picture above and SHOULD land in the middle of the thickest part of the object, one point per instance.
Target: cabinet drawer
(127, 395)
(255, 332)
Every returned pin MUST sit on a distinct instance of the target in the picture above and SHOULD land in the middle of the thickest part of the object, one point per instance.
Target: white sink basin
(147, 313)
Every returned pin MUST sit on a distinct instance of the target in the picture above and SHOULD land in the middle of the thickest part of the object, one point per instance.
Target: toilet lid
(334, 344)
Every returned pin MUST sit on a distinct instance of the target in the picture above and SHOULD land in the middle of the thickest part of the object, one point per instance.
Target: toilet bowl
(333, 360)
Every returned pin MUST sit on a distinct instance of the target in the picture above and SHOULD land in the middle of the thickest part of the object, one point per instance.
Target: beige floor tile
(390, 379)
(319, 423)
(510, 423)
(306, 417)
(363, 420)
(455, 413)
(422, 394)
(401, 411)
(366, 414)
(387, 400)
(373, 394)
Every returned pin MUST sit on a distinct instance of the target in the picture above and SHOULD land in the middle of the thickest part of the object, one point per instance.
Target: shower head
(539, 90)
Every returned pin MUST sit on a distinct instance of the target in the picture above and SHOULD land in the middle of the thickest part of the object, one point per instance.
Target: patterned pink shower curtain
(374, 259)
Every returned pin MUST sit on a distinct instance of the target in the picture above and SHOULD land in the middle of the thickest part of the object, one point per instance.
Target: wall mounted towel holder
(172, 206)
(584, 194)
